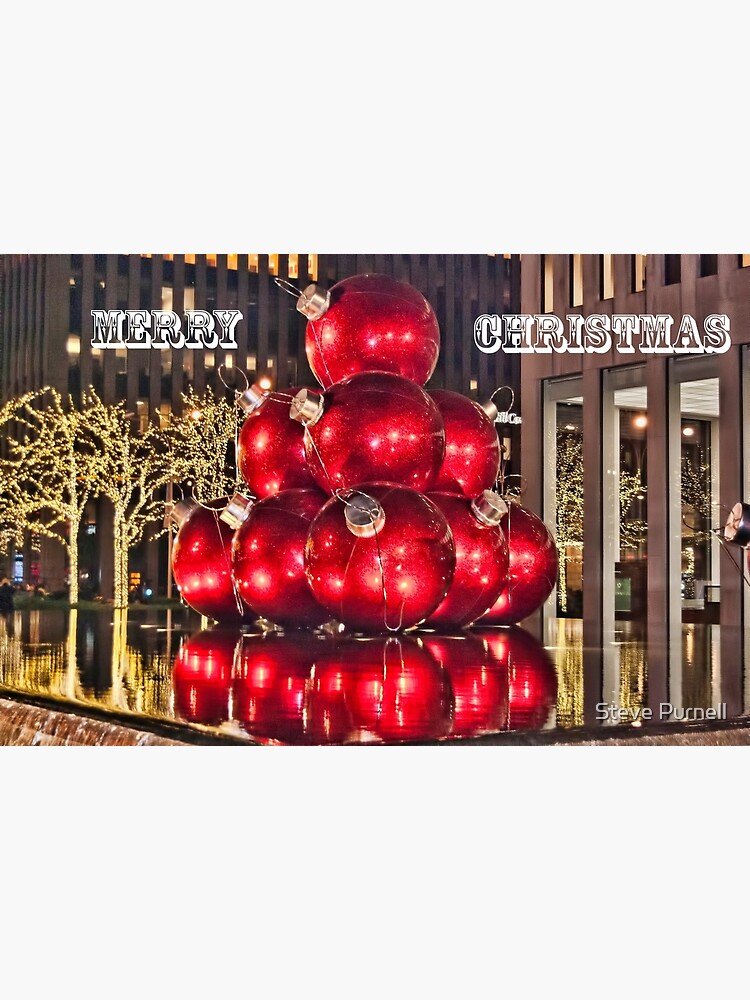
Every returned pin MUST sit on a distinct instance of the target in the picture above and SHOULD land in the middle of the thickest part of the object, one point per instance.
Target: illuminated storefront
(642, 455)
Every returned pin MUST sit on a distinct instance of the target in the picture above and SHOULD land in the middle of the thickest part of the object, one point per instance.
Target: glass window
(547, 280)
(672, 268)
(575, 264)
(709, 264)
(638, 272)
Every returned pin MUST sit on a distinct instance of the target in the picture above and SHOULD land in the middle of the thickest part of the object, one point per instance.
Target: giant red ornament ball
(372, 426)
(472, 447)
(202, 563)
(268, 556)
(371, 322)
(270, 446)
(481, 571)
(202, 676)
(413, 544)
(532, 571)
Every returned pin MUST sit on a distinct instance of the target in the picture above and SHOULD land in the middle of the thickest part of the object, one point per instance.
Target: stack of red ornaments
(374, 501)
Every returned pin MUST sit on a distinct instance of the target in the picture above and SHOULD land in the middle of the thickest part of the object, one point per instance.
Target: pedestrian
(7, 590)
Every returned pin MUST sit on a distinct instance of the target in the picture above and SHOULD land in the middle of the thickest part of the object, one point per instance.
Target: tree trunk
(73, 562)
(120, 561)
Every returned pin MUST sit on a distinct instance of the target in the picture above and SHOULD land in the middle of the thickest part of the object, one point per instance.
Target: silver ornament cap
(364, 515)
(490, 508)
(179, 513)
(236, 510)
(491, 410)
(314, 302)
(252, 398)
(737, 528)
(307, 407)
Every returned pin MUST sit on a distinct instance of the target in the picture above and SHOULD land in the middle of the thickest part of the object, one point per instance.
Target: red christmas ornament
(370, 322)
(531, 676)
(202, 676)
(481, 571)
(533, 567)
(271, 447)
(395, 690)
(472, 447)
(372, 426)
(383, 558)
(268, 556)
(202, 556)
(479, 682)
(272, 685)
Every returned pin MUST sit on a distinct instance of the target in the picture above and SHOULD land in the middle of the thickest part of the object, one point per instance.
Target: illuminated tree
(52, 463)
(569, 506)
(199, 440)
(132, 470)
(633, 531)
(12, 509)
(569, 496)
(695, 491)
(696, 495)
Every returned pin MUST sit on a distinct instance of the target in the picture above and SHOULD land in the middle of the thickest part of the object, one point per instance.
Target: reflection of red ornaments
(414, 544)
(532, 677)
(478, 680)
(271, 685)
(371, 322)
(481, 571)
(472, 447)
(395, 690)
(202, 560)
(271, 447)
(372, 426)
(269, 558)
(533, 567)
(202, 676)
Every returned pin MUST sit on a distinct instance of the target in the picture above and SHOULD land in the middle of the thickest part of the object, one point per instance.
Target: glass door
(564, 492)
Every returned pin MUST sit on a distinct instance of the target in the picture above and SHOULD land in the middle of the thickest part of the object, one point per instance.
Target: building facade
(46, 325)
(636, 458)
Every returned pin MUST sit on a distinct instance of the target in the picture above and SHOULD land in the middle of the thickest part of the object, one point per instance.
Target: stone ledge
(23, 725)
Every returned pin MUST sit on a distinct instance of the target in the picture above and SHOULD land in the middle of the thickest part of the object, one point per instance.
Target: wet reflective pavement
(162, 671)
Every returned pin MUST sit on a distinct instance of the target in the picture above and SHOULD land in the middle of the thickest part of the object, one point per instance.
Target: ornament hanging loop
(491, 408)
(233, 388)
(513, 492)
(286, 286)
(312, 302)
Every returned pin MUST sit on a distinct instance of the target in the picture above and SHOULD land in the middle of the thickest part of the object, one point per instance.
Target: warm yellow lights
(265, 382)
(639, 272)
(73, 345)
(576, 279)
(640, 421)
(232, 263)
